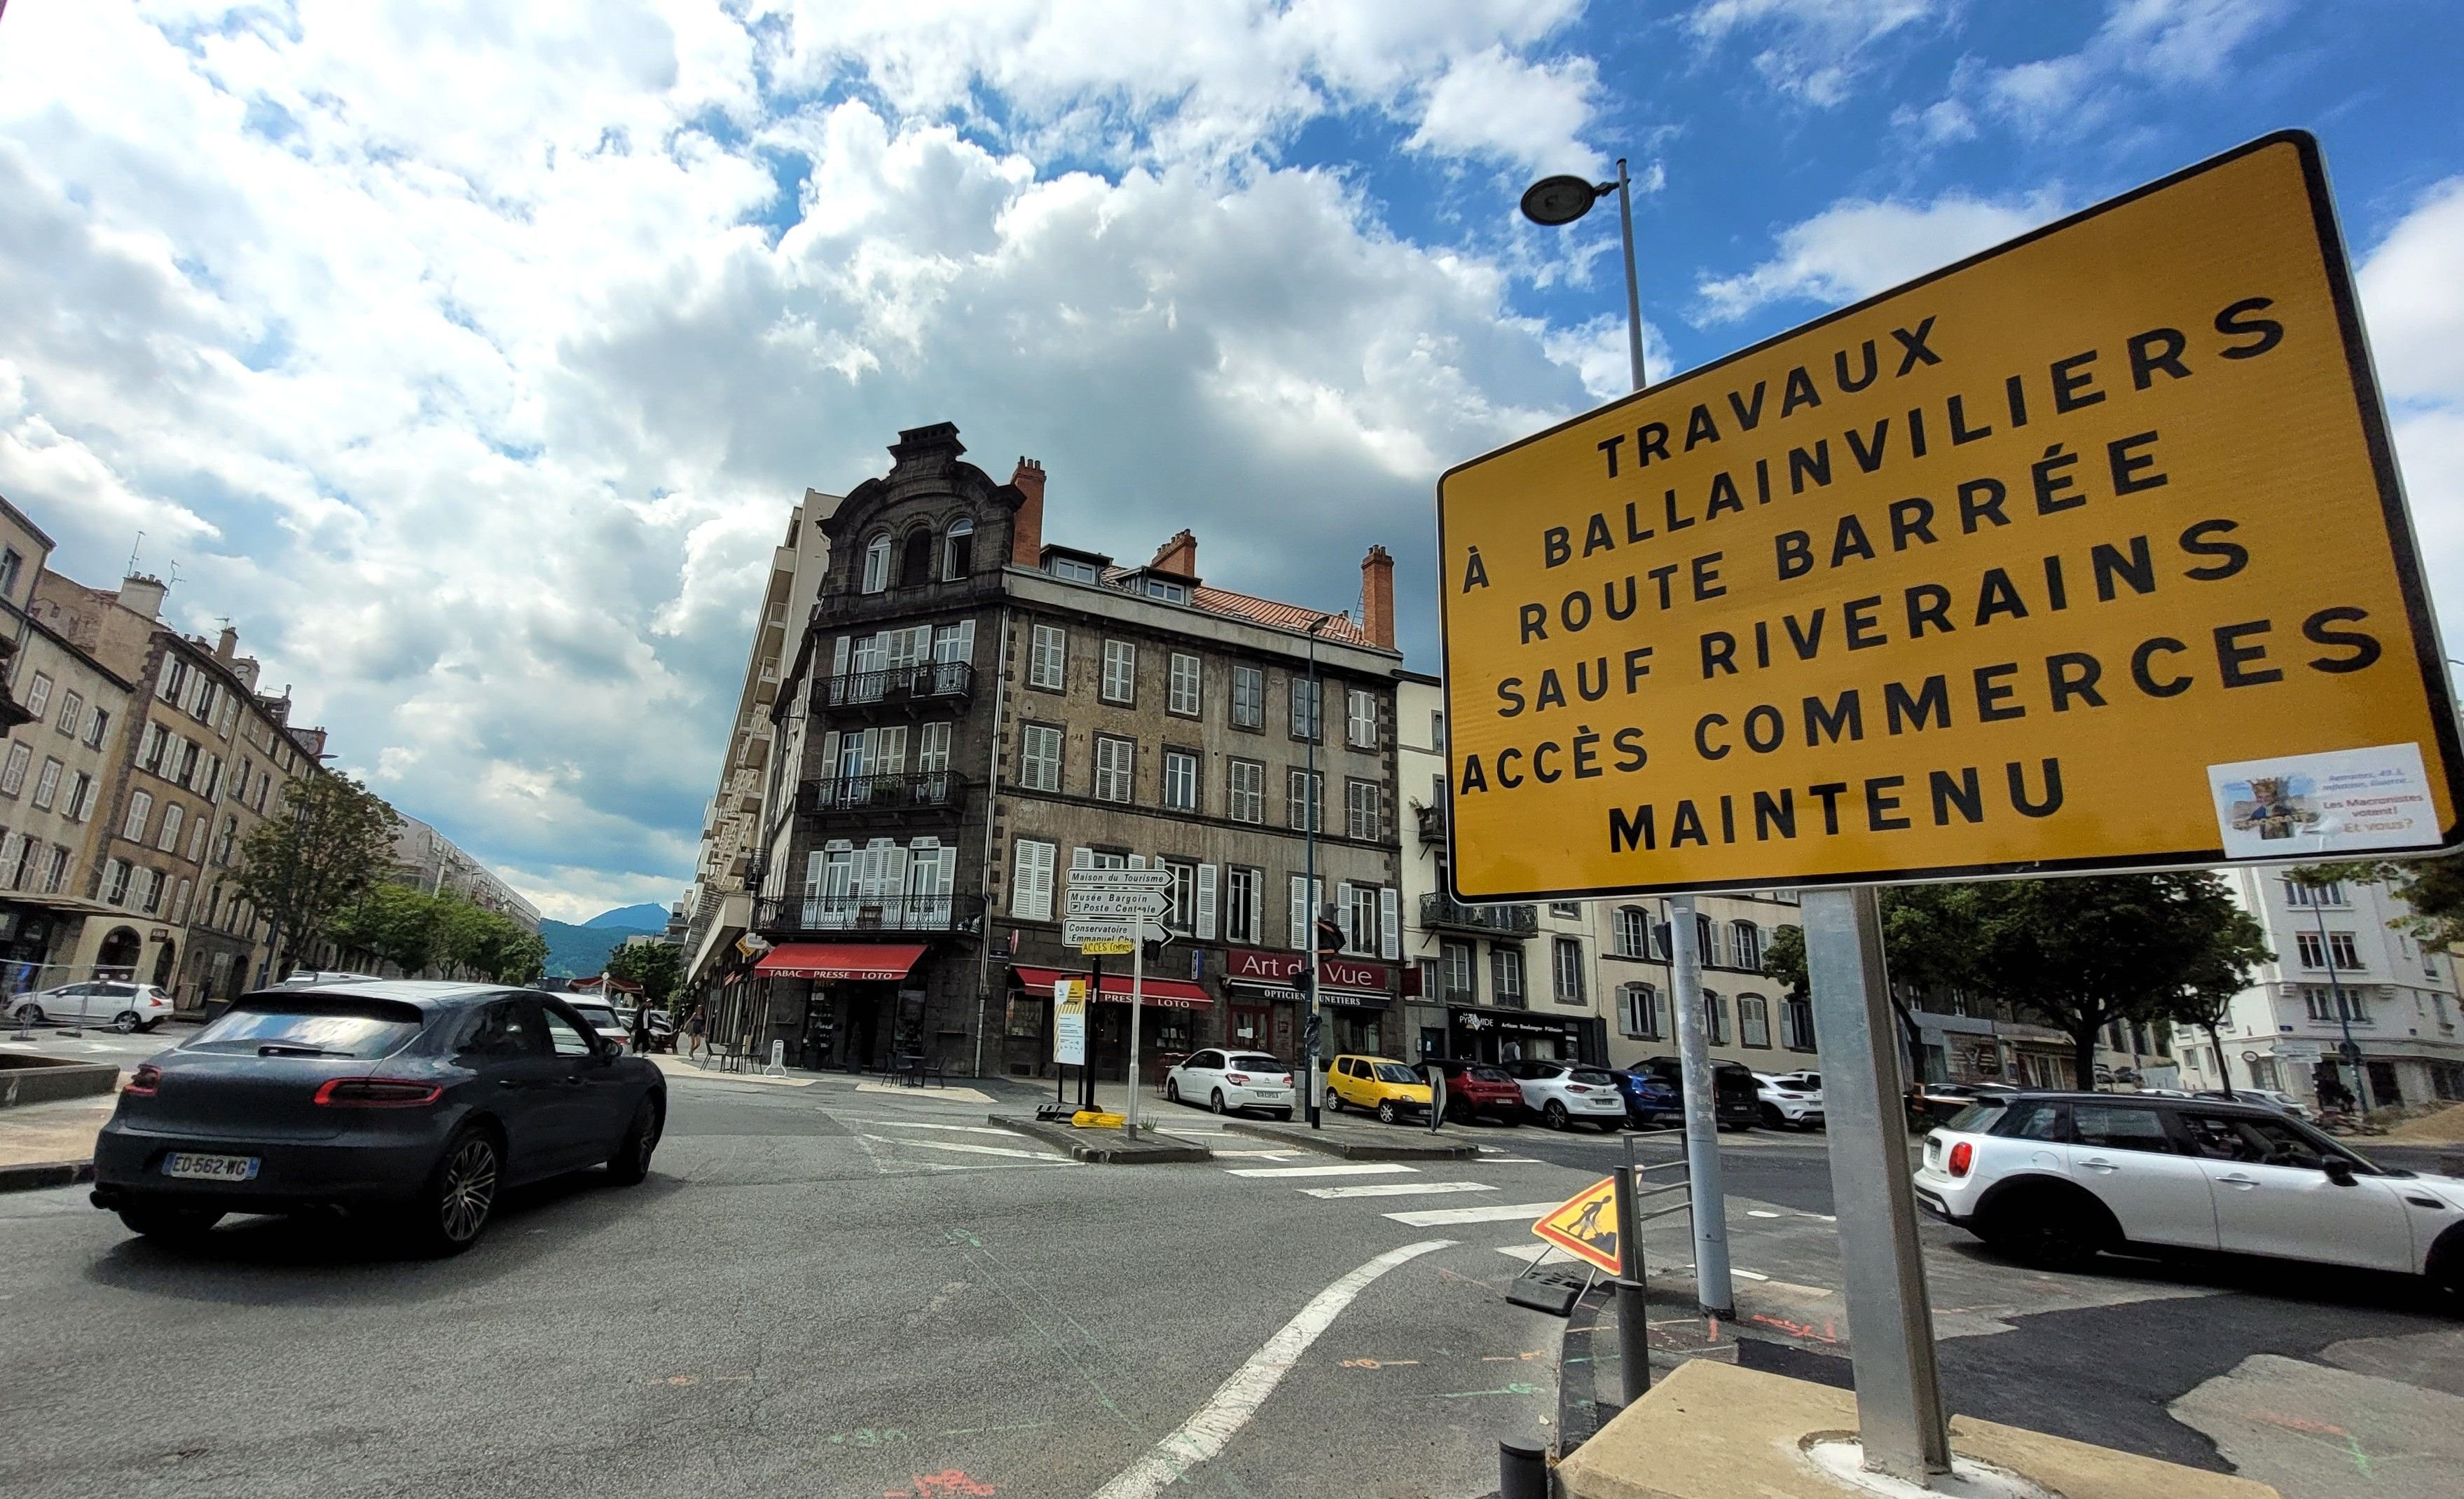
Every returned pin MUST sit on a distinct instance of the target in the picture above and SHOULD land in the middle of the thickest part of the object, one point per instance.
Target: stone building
(427, 860)
(972, 711)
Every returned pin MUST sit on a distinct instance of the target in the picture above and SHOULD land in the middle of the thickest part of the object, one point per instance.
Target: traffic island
(1361, 1143)
(1103, 1146)
(38, 1079)
(1712, 1429)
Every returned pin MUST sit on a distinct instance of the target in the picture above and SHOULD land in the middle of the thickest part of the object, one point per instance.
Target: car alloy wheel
(124, 1023)
(466, 1190)
(1334, 1101)
(1171, 1090)
(30, 1015)
(1220, 1107)
(1555, 1115)
(1388, 1112)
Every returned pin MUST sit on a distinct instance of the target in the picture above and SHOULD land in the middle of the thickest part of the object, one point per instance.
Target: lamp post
(1309, 884)
(1555, 200)
(2351, 1050)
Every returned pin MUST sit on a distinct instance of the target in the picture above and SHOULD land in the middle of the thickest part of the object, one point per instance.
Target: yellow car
(1379, 1083)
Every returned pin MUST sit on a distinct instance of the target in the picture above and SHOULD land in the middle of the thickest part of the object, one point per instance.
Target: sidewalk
(58, 1135)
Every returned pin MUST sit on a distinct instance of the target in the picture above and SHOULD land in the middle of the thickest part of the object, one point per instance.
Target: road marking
(1396, 1189)
(961, 1128)
(1511, 1161)
(1259, 1155)
(1748, 1274)
(1434, 1216)
(971, 1150)
(1380, 1169)
(1215, 1423)
(1758, 1212)
(1537, 1254)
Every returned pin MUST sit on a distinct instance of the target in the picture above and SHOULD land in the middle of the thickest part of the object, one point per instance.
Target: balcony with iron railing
(1432, 817)
(1438, 913)
(897, 687)
(909, 791)
(888, 915)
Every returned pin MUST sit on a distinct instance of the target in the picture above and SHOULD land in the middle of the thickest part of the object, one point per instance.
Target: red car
(1475, 1089)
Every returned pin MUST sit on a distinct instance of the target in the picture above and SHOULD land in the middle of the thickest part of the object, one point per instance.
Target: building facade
(972, 713)
(427, 860)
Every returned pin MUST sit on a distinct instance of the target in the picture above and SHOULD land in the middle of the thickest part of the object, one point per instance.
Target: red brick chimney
(1026, 527)
(1180, 556)
(1378, 596)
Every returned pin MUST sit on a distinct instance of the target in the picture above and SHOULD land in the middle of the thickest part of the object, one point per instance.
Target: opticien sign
(2087, 552)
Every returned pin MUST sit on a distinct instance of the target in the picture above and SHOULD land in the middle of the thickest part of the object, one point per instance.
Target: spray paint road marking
(1396, 1189)
(1387, 1169)
(1434, 1216)
(1236, 1398)
(970, 1150)
(1510, 1389)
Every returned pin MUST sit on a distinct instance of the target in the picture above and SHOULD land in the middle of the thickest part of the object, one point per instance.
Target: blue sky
(469, 356)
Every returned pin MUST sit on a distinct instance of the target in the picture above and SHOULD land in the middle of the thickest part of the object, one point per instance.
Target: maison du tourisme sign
(2088, 552)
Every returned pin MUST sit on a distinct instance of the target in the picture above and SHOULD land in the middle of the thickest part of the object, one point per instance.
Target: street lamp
(1308, 886)
(1558, 200)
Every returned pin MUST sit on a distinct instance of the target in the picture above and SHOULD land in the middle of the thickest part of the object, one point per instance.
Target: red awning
(1172, 994)
(840, 960)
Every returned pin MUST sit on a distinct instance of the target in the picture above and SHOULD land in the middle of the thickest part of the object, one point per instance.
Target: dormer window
(1072, 570)
(958, 549)
(1166, 589)
(877, 565)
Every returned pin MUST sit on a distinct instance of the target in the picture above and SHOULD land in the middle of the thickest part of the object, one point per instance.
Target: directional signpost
(2085, 553)
(1108, 911)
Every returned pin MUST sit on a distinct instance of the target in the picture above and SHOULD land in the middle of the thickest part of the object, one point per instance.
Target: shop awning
(840, 960)
(1172, 994)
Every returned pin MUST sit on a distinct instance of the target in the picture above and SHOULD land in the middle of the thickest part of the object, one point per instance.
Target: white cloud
(472, 367)
(1813, 49)
(1527, 113)
(2414, 309)
(1857, 247)
(2170, 44)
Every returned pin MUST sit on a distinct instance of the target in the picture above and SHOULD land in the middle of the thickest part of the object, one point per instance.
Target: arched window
(877, 565)
(958, 549)
(1748, 938)
(1754, 1019)
(1639, 1013)
(915, 560)
(1632, 932)
(1715, 1019)
(1796, 1024)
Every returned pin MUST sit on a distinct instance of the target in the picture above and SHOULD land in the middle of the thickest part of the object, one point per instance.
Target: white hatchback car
(2054, 1179)
(1565, 1093)
(1230, 1082)
(1791, 1099)
(122, 1005)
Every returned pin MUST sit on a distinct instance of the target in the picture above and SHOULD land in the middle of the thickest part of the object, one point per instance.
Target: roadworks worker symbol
(1586, 1225)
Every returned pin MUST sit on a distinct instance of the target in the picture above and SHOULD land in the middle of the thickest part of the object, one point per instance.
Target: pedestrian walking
(694, 1023)
(642, 1027)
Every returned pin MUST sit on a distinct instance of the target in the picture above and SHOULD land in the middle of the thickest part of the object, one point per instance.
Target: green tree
(1784, 960)
(656, 966)
(395, 922)
(328, 844)
(2218, 971)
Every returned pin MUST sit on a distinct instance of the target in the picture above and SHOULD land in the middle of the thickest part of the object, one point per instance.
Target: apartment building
(425, 859)
(974, 711)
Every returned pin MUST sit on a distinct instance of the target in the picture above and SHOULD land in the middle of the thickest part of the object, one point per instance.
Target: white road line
(1215, 1423)
(1396, 1189)
(971, 1150)
(1380, 1169)
(1748, 1274)
(1758, 1212)
(1498, 1213)
(1536, 1254)
(1259, 1155)
(960, 1129)
(1511, 1161)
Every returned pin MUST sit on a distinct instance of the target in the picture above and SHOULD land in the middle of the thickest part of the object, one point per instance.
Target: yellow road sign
(1107, 946)
(2085, 553)
(1586, 1225)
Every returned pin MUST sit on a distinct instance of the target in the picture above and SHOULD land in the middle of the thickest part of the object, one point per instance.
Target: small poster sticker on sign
(2299, 806)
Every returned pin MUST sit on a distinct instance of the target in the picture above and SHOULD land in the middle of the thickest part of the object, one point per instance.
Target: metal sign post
(1713, 1292)
(1137, 1008)
(1899, 1391)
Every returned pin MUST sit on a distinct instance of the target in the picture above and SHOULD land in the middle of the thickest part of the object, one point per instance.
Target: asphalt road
(831, 1291)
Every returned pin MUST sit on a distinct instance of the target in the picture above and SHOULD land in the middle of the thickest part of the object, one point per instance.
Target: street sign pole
(1137, 1007)
(1899, 1389)
(1713, 1292)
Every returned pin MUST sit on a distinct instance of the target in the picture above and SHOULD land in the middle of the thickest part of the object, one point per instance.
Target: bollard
(1522, 1471)
(1633, 1313)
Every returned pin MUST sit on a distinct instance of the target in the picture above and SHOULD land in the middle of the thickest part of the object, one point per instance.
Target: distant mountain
(649, 917)
(577, 952)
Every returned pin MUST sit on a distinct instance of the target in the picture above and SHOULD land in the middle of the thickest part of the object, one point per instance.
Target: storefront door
(1250, 1025)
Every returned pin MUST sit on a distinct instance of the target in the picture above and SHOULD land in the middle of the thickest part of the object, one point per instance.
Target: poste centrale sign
(2087, 552)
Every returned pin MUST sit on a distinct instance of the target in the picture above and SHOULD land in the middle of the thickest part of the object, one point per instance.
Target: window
(115, 882)
(81, 798)
(1182, 915)
(1248, 697)
(211, 780)
(1120, 671)
(1715, 1019)
(209, 695)
(1304, 706)
(954, 645)
(915, 560)
(1247, 800)
(71, 714)
(1360, 718)
(1364, 808)
(1455, 973)
(56, 876)
(1073, 570)
(1707, 943)
(1564, 908)
(1360, 923)
(1633, 935)
(1754, 1020)
(141, 810)
(2322, 1001)
(1301, 791)
(229, 836)
(1639, 1011)
(197, 840)
(173, 816)
(1186, 678)
(1566, 970)
(2331, 894)
(1114, 762)
(933, 749)
(1039, 757)
(11, 565)
(877, 565)
(1747, 941)
(2338, 947)
(1505, 975)
(187, 771)
(97, 723)
(146, 894)
(1167, 590)
(38, 696)
(1243, 904)
(1180, 781)
(2119, 1126)
(47, 786)
(13, 776)
(1796, 1024)
(1047, 660)
(958, 549)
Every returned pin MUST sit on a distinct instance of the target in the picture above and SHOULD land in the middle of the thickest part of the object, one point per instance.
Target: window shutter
(1207, 902)
(838, 656)
(1299, 914)
(1343, 915)
(1390, 930)
(1138, 861)
(1082, 858)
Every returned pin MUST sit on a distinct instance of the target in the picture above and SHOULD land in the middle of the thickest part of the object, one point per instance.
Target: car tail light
(376, 1093)
(1237, 1079)
(1576, 1088)
(1962, 1155)
(149, 1079)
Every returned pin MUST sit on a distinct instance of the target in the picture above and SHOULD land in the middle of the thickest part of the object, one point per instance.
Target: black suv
(1736, 1098)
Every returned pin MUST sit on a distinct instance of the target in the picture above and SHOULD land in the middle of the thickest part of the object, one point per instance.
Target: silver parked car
(122, 1005)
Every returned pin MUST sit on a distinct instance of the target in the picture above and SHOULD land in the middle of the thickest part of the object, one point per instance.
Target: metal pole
(1087, 1056)
(1633, 287)
(1137, 1004)
(1634, 1325)
(1712, 1292)
(2350, 1051)
(1899, 1389)
(1308, 939)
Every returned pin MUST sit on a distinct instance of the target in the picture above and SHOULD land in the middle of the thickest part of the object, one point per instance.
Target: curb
(1077, 1144)
(40, 1175)
(1334, 1143)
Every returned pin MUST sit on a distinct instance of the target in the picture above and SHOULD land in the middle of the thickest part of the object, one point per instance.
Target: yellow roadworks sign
(2085, 553)
(1586, 1225)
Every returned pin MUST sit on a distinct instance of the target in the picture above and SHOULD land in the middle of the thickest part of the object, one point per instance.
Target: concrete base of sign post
(1102, 1146)
(1709, 1430)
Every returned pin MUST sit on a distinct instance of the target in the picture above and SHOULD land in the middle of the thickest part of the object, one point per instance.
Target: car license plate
(209, 1168)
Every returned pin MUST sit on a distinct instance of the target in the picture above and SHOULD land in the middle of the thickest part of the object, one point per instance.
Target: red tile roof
(1279, 616)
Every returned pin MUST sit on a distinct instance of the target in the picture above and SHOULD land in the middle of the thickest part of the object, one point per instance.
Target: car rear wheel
(169, 1223)
(2052, 1231)
(1770, 1115)
(632, 1162)
(1334, 1101)
(461, 1195)
(1172, 1090)
(1217, 1104)
(1389, 1111)
(125, 1022)
(1555, 1115)
(31, 1014)
(1284, 1116)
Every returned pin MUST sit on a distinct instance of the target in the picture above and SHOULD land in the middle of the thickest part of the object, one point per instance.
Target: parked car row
(1560, 1094)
